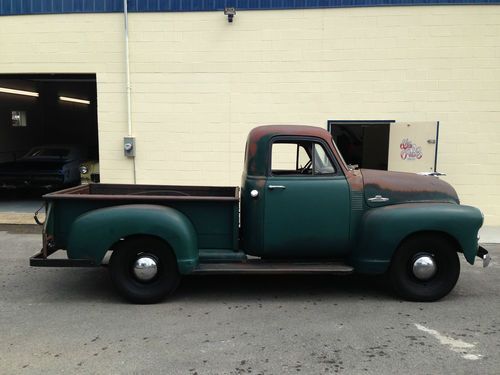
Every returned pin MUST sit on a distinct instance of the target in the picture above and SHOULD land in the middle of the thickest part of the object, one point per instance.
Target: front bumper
(484, 255)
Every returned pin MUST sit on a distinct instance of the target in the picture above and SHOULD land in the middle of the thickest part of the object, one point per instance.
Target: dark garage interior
(362, 143)
(51, 118)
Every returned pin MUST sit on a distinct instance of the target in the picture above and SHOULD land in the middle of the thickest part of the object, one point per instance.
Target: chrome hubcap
(424, 267)
(145, 267)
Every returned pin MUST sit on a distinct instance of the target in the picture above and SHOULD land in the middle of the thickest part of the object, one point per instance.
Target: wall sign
(410, 150)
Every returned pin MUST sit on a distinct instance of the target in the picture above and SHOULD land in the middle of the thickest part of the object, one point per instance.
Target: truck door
(307, 201)
(413, 146)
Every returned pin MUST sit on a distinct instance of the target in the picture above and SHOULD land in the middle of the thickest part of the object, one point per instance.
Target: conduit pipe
(127, 65)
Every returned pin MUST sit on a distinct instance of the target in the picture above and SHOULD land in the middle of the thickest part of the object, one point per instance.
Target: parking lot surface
(71, 321)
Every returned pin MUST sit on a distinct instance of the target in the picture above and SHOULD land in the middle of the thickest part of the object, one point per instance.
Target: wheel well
(116, 245)
(450, 239)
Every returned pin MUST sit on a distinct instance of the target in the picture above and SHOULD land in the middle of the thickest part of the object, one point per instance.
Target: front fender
(384, 228)
(93, 233)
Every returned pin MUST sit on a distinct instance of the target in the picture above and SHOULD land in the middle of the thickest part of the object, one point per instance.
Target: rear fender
(94, 233)
(383, 229)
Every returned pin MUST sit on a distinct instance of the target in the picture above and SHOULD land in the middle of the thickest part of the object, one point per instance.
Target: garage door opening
(362, 143)
(388, 145)
(48, 135)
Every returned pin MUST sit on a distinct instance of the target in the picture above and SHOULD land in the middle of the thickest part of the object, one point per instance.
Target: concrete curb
(489, 234)
(19, 218)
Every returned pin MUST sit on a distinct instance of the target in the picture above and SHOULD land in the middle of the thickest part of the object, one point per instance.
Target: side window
(290, 158)
(300, 158)
(322, 163)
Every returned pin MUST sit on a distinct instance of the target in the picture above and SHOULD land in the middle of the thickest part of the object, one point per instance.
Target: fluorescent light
(74, 100)
(18, 92)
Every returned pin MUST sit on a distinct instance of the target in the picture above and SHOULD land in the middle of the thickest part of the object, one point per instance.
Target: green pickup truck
(302, 209)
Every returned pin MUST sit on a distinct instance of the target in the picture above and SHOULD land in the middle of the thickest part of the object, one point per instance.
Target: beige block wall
(77, 43)
(200, 84)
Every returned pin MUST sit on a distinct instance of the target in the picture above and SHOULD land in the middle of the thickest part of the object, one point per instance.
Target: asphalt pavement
(72, 321)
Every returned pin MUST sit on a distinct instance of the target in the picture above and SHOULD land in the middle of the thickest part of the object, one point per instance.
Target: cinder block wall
(200, 84)
(77, 43)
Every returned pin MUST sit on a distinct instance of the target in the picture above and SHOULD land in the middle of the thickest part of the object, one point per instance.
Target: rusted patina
(355, 180)
(401, 187)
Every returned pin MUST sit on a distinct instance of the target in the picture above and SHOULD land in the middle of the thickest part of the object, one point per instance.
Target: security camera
(230, 13)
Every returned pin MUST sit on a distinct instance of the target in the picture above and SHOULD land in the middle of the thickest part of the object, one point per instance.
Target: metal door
(307, 211)
(413, 146)
(306, 217)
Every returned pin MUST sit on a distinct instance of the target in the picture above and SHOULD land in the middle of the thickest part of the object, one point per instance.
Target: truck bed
(146, 192)
(213, 211)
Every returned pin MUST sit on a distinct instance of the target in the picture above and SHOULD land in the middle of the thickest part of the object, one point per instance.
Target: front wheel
(144, 269)
(424, 268)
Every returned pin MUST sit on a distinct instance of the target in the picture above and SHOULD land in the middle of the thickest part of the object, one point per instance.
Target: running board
(259, 267)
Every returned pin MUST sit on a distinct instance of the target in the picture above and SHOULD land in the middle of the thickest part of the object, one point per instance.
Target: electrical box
(19, 119)
(129, 146)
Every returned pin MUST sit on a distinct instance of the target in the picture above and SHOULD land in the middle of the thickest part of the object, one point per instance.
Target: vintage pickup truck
(302, 210)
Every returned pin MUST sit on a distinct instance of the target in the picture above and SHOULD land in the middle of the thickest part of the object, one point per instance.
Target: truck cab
(301, 210)
(296, 199)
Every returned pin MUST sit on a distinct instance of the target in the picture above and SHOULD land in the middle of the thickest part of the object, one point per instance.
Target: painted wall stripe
(20, 7)
(465, 349)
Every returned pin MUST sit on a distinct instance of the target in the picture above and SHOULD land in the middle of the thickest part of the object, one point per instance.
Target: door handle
(378, 198)
(433, 174)
(272, 187)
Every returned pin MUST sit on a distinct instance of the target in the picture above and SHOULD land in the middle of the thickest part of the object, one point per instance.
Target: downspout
(127, 65)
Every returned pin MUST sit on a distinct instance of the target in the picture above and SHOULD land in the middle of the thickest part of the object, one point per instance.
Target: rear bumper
(484, 255)
(42, 260)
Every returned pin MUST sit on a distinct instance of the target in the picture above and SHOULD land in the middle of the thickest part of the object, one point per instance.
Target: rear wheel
(144, 269)
(424, 268)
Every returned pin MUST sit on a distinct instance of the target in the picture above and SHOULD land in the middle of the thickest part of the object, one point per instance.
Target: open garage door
(413, 146)
(48, 130)
(387, 145)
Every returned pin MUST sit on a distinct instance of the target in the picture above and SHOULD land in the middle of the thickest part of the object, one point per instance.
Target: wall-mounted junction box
(129, 146)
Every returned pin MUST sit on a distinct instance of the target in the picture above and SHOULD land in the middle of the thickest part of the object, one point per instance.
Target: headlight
(83, 169)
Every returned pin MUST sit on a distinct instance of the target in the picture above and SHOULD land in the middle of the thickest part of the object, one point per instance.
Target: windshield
(322, 163)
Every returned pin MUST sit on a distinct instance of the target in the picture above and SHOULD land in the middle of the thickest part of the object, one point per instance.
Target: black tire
(445, 257)
(144, 292)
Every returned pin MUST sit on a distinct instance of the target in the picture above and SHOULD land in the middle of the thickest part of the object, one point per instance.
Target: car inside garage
(48, 136)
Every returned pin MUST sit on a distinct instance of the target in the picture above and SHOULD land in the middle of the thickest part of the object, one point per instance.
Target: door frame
(336, 178)
(292, 139)
(361, 123)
